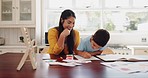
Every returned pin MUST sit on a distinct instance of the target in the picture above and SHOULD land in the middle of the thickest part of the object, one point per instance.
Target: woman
(64, 39)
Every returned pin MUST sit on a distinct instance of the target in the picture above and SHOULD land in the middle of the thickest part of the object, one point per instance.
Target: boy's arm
(98, 52)
(84, 54)
(89, 54)
(95, 53)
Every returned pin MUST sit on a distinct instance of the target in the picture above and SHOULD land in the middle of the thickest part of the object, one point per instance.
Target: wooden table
(9, 62)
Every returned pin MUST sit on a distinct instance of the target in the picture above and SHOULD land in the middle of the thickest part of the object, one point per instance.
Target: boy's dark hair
(101, 37)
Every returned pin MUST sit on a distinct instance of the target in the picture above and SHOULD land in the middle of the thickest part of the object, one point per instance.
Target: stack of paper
(131, 58)
(81, 58)
(128, 67)
(70, 63)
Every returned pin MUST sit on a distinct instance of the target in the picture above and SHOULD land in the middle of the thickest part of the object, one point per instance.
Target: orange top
(53, 38)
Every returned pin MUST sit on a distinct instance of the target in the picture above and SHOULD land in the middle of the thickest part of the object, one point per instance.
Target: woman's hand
(65, 32)
(62, 37)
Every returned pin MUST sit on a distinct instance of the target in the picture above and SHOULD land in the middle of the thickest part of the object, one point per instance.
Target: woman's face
(69, 23)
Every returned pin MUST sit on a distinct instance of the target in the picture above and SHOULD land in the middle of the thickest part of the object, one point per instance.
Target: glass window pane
(126, 20)
(6, 10)
(25, 10)
(25, 16)
(52, 19)
(116, 3)
(87, 3)
(140, 3)
(55, 4)
(87, 21)
(25, 6)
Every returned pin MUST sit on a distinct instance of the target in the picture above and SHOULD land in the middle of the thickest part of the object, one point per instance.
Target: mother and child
(64, 40)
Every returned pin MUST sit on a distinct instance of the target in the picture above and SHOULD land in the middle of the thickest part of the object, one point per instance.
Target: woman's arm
(62, 38)
(53, 39)
(88, 54)
(56, 44)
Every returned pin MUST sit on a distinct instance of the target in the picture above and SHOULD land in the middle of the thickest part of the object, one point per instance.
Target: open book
(82, 58)
(130, 58)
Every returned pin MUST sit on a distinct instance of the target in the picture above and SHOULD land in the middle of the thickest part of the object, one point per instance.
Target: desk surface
(9, 62)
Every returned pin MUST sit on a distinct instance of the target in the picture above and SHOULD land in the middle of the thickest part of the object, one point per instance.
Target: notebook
(81, 58)
(130, 58)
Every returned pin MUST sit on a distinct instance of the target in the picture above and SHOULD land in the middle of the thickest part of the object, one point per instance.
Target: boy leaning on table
(93, 45)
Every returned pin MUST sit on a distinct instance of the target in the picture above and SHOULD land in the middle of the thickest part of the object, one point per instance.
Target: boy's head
(101, 37)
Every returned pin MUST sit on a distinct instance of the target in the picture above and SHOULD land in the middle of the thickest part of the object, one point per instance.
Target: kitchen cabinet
(122, 51)
(2, 51)
(139, 50)
(13, 15)
(17, 12)
(12, 49)
(12, 40)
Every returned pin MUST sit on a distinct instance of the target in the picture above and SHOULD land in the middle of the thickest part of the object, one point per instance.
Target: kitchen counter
(139, 49)
(120, 49)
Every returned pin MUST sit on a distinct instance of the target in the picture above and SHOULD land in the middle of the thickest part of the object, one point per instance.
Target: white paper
(77, 61)
(81, 58)
(45, 56)
(113, 57)
(70, 64)
(128, 67)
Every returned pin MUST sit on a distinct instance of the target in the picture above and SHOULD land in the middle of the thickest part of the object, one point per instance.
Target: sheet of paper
(113, 57)
(70, 64)
(128, 67)
(78, 61)
(81, 58)
(65, 62)
(45, 56)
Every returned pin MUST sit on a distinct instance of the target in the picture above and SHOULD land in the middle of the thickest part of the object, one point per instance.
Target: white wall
(134, 38)
(11, 35)
(129, 38)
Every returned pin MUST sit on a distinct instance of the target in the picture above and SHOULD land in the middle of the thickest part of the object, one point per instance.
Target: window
(117, 3)
(56, 4)
(84, 4)
(125, 20)
(52, 19)
(116, 16)
(87, 20)
(140, 3)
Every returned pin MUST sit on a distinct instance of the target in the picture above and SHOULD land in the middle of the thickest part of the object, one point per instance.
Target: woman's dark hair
(101, 37)
(70, 38)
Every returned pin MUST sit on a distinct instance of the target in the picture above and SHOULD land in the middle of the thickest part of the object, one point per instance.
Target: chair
(107, 51)
(30, 50)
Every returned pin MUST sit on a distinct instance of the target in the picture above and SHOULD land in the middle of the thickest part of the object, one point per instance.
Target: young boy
(93, 45)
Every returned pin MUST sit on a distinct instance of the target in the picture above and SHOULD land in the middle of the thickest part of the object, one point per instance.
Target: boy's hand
(86, 55)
